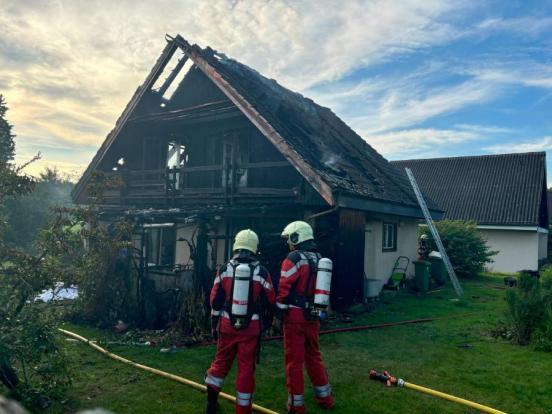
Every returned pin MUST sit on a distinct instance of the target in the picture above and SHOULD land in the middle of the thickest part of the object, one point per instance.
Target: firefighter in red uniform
(301, 328)
(241, 290)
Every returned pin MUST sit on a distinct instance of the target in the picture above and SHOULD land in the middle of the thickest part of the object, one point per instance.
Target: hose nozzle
(386, 378)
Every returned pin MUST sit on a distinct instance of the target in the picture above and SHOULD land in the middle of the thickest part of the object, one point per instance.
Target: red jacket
(294, 276)
(262, 285)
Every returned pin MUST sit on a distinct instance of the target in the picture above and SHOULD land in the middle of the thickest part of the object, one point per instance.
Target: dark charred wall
(195, 89)
(349, 257)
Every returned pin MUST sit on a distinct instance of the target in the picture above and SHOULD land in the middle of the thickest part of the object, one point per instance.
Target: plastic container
(438, 270)
(372, 288)
(421, 278)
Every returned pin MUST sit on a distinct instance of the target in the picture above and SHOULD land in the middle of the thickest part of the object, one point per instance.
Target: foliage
(529, 310)
(99, 258)
(465, 246)
(31, 364)
(29, 213)
(193, 319)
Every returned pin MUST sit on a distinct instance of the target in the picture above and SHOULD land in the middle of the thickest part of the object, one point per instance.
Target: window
(176, 158)
(161, 245)
(389, 237)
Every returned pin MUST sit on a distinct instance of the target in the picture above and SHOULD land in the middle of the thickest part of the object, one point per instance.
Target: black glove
(214, 327)
(220, 298)
(279, 313)
(268, 318)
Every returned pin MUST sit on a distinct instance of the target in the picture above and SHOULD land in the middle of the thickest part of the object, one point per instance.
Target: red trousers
(302, 347)
(228, 347)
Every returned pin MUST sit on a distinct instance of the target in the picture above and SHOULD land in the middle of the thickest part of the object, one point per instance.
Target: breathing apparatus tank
(323, 284)
(240, 294)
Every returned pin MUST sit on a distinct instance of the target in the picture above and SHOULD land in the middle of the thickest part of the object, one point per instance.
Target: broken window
(176, 159)
(389, 236)
(160, 246)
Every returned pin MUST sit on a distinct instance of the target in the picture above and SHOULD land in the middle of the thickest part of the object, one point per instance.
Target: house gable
(332, 159)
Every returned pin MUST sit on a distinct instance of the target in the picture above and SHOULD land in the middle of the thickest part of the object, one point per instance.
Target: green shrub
(466, 248)
(529, 310)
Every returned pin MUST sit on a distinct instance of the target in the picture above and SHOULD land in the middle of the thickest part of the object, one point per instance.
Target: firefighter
(301, 328)
(241, 292)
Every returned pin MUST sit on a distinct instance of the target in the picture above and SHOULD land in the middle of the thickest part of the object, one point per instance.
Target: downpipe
(389, 380)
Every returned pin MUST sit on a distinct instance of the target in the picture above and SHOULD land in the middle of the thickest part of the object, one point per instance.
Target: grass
(455, 355)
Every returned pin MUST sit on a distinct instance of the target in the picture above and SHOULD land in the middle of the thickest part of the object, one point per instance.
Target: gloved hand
(279, 313)
(214, 327)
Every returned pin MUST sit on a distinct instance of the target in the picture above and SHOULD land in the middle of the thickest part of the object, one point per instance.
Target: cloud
(418, 143)
(485, 129)
(540, 144)
(522, 72)
(396, 102)
(520, 26)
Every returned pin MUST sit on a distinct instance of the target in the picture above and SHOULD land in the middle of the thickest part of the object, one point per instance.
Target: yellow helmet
(298, 232)
(246, 240)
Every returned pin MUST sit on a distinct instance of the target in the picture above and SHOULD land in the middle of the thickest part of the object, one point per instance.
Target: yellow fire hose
(199, 387)
(399, 382)
(429, 391)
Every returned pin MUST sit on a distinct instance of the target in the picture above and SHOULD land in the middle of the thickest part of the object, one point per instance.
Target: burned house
(208, 146)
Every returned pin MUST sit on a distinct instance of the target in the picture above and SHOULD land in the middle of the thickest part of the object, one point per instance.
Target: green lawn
(456, 355)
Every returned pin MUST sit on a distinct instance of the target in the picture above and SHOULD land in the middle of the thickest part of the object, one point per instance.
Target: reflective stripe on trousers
(323, 391)
(214, 381)
(244, 399)
(296, 400)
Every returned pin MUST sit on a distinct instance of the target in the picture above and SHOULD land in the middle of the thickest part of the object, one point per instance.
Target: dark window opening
(161, 246)
(389, 237)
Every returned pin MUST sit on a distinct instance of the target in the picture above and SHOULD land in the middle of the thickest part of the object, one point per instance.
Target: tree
(31, 364)
(27, 214)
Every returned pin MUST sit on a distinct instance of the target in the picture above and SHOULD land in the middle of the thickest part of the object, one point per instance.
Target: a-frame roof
(336, 161)
(500, 190)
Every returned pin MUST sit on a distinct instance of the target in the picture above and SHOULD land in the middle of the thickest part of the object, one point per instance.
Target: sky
(415, 79)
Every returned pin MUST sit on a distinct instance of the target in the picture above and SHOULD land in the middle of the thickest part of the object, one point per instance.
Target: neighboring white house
(504, 194)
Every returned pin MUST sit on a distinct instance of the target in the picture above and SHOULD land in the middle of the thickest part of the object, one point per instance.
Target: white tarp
(60, 292)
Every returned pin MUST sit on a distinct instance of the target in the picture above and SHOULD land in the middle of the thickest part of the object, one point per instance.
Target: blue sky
(416, 79)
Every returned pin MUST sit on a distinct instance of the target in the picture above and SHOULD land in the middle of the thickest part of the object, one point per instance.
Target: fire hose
(195, 385)
(389, 380)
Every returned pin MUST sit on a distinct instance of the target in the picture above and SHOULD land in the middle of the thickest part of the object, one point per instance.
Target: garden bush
(529, 311)
(465, 245)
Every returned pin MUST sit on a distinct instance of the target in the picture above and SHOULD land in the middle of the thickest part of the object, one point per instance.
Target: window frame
(156, 248)
(385, 247)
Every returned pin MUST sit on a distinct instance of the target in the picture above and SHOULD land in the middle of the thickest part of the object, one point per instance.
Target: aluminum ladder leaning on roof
(435, 233)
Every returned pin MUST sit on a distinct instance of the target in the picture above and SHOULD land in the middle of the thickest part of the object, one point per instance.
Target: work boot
(325, 402)
(212, 396)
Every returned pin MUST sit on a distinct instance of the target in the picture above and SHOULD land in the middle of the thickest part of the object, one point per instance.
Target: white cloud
(485, 129)
(379, 105)
(540, 144)
(521, 26)
(418, 143)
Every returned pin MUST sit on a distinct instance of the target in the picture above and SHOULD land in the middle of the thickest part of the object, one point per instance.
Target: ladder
(435, 233)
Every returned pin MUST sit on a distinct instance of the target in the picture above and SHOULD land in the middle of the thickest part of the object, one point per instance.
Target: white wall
(518, 249)
(182, 256)
(379, 264)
